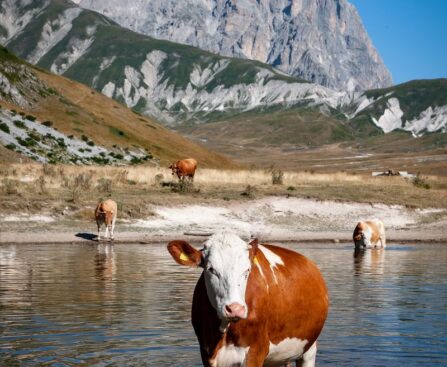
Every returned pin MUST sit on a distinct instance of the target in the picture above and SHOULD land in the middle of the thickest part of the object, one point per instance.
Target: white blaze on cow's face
(226, 260)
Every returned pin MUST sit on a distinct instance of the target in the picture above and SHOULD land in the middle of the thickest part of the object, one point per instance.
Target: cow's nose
(235, 310)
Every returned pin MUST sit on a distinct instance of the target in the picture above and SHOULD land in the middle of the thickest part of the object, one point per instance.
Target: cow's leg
(106, 235)
(113, 227)
(308, 358)
(256, 357)
(383, 240)
(99, 230)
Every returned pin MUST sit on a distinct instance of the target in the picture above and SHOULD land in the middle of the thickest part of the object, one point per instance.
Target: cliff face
(322, 41)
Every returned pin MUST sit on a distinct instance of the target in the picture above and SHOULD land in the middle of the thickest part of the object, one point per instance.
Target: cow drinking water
(105, 213)
(254, 305)
(370, 233)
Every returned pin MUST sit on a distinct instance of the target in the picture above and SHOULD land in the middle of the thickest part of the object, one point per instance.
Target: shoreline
(270, 219)
(45, 238)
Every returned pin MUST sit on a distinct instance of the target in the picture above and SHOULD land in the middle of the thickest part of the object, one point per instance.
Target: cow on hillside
(370, 233)
(105, 213)
(254, 305)
(184, 168)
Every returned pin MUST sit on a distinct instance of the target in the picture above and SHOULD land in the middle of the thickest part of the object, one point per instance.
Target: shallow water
(129, 305)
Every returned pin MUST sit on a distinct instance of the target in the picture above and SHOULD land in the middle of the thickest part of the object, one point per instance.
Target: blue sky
(410, 35)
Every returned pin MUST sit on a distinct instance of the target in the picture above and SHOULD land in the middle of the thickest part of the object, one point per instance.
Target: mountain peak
(319, 41)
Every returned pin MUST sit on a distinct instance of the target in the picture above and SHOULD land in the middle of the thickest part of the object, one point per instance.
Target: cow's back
(187, 166)
(377, 229)
(106, 206)
(286, 298)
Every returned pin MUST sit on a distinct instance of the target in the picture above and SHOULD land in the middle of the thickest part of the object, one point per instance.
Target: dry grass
(137, 189)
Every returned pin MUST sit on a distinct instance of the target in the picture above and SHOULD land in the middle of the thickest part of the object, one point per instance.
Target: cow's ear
(184, 254)
(253, 248)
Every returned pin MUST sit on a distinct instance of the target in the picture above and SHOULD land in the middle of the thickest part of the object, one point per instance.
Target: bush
(4, 127)
(80, 184)
(19, 124)
(277, 176)
(10, 186)
(420, 182)
(183, 187)
(48, 170)
(104, 185)
(249, 192)
(291, 188)
(158, 179)
(30, 117)
(11, 146)
(47, 123)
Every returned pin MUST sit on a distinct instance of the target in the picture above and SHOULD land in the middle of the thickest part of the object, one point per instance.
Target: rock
(320, 41)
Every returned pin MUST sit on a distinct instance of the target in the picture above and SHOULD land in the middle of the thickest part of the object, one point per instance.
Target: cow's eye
(212, 271)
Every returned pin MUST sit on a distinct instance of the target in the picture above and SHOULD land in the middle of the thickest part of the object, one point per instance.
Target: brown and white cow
(105, 213)
(184, 168)
(369, 234)
(254, 305)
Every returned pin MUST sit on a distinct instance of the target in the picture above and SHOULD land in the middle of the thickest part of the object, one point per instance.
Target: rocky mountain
(49, 118)
(320, 41)
(182, 85)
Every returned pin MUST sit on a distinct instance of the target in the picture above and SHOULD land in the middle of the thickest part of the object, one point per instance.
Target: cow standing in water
(370, 233)
(184, 168)
(254, 305)
(105, 213)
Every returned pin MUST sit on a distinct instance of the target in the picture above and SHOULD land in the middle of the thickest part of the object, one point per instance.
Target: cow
(254, 305)
(105, 213)
(184, 168)
(369, 233)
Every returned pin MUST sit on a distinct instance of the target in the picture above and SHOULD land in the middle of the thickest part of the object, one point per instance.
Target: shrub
(92, 144)
(121, 176)
(158, 179)
(4, 127)
(48, 170)
(19, 124)
(291, 188)
(10, 186)
(420, 182)
(42, 185)
(249, 191)
(80, 184)
(11, 146)
(30, 117)
(47, 123)
(277, 176)
(183, 187)
(104, 185)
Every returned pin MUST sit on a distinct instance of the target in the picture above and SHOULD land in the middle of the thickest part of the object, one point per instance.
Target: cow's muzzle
(235, 311)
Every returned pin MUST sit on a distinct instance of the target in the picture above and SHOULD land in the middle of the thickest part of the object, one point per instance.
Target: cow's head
(174, 168)
(226, 260)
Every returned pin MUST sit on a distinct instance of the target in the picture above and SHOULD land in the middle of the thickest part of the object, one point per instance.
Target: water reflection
(129, 305)
(371, 261)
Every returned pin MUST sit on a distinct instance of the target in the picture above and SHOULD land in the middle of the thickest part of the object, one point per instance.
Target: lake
(129, 305)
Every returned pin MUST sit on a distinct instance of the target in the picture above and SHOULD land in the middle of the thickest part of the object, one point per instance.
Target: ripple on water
(129, 305)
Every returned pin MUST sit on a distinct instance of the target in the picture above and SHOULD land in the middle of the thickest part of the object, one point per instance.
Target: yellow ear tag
(255, 261)
(183, 257)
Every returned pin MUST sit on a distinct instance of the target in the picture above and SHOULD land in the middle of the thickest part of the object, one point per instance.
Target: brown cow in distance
(105, 213)
(184, 168)
(254, 305)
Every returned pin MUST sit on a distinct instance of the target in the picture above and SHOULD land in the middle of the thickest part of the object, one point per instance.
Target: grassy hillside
(414, 97)
(75, 110)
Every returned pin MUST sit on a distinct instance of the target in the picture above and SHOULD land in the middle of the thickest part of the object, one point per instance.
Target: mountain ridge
(323, 42)
(179, 84)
